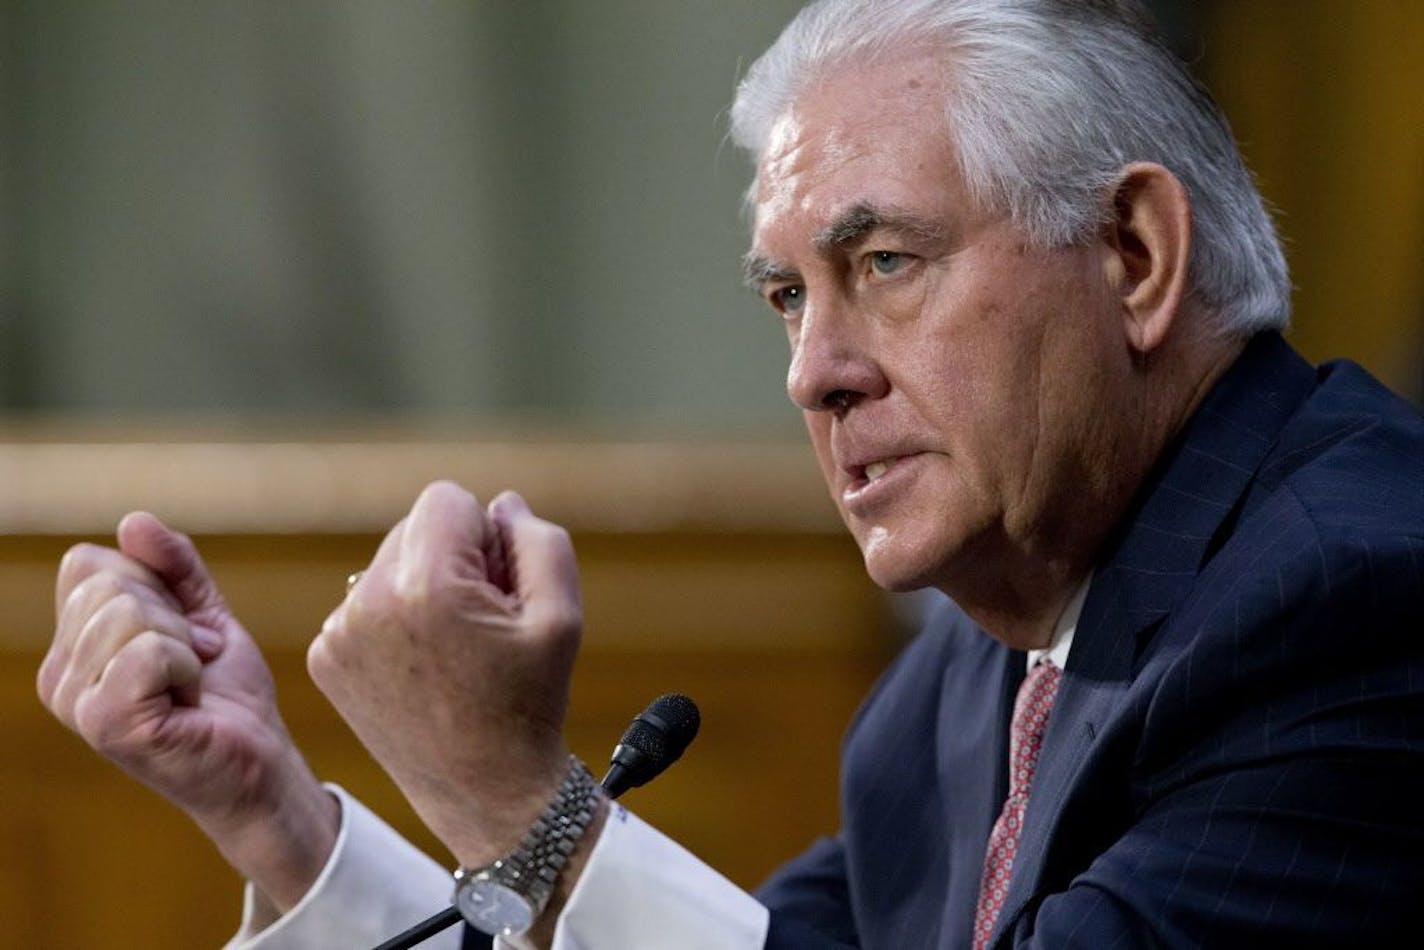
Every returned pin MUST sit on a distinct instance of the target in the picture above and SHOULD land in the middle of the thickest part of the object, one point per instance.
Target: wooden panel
(776, 635)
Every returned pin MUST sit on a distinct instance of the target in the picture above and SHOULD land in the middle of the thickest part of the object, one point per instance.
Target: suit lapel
(1183, 514)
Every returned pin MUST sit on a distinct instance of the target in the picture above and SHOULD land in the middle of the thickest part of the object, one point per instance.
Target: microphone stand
(424, 930)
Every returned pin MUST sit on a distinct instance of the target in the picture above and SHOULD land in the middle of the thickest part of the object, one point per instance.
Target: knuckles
(410, 605)
(564, 622)
(107, 724)
(124, 611)
(319, 660)
(47, 679)
(93, 591)
(90, 596)
(409, 590)
(78, 563)
(555, 535)
(405, 595)
(333, 653)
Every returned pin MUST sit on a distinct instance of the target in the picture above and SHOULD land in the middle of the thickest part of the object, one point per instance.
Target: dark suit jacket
(1236, 757)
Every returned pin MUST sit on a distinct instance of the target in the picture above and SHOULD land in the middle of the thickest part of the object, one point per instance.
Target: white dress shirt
(640, 890)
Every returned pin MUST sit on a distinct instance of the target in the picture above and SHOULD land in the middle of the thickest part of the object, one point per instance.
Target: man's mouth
(874, 485)
(875, 469)
(864, 476)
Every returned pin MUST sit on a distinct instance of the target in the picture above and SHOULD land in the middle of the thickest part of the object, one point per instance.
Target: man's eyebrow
(864, 219)
(759, 270)
(855, 224)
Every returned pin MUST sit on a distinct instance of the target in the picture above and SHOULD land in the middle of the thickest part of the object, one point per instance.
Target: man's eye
(789, 299)
(886, 262)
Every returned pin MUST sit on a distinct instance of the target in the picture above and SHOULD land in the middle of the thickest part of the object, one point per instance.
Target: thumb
(173, 557)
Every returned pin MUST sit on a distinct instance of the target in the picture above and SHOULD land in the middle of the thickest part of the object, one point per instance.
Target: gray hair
(1051, 99)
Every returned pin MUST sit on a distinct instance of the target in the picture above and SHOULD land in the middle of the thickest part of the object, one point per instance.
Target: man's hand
(450, 659)
(149, 666)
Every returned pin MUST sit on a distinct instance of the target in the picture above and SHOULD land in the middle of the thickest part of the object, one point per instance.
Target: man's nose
(832, 366)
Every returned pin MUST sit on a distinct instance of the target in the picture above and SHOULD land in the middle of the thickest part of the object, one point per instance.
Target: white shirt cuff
(640, 890)
(375, 885)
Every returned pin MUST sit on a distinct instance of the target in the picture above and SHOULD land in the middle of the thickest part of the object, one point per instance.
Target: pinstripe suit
(1236, 757)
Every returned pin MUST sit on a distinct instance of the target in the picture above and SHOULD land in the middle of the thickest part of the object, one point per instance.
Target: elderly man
(1032, 298)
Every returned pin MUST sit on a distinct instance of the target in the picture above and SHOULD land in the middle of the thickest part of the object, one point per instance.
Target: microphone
(656, 739)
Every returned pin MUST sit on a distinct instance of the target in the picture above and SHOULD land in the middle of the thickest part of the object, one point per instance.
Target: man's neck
(1020, 613)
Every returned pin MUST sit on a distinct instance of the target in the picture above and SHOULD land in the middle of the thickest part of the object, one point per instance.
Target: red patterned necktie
(1031, 711)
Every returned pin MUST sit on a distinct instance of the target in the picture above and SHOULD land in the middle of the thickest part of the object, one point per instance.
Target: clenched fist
(150, 667)
(451, 658)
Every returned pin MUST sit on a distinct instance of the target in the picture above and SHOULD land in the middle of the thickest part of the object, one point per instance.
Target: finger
(173, 557)
(326, 647)
(542, 564)
(497, 564)
(506, 505)
(85, 560)
(387, 553)
(72, 613)
(370, 587)
(120, 620)
(447, 530)
(149, 667)
(98, 589)
(83, 601)
(376, 576)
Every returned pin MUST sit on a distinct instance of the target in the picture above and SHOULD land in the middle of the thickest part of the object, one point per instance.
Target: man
(1032, 300)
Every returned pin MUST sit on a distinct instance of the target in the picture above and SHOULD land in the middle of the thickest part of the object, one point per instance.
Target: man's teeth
(875, 469)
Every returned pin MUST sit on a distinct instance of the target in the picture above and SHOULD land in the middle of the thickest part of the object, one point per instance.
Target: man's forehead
(817, 137)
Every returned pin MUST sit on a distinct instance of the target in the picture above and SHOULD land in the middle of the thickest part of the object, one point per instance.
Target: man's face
(954, 378)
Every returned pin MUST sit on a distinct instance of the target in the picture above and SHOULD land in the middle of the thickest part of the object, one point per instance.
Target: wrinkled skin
(150, 668)
(451, 660)
(983, 407)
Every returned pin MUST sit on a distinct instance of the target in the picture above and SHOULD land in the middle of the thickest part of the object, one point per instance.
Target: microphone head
(666, 728)
(656, 739)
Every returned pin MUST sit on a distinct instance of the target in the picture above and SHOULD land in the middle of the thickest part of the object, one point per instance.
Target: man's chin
(896, 572)
(910, 553)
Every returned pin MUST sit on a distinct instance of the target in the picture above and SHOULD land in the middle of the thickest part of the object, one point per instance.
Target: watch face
(493, 908)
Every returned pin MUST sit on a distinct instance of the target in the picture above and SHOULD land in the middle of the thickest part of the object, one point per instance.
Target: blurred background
(267, 268)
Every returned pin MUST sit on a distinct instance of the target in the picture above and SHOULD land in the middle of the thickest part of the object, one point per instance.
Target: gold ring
(352, 580)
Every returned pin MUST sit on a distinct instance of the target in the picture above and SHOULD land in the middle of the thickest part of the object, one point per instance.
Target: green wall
(475, 211)
(447, 208)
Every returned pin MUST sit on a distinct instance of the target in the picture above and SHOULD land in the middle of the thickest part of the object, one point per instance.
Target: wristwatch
(508, 895)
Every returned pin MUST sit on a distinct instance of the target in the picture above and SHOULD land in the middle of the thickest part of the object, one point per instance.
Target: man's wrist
(510, 893)
(282, 849)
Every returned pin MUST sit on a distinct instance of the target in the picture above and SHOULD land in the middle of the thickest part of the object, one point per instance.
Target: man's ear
(1149, 239)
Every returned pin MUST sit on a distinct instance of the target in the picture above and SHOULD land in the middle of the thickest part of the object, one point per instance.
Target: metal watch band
(532, 869)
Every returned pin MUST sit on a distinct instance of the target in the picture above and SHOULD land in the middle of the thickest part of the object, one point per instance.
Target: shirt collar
(1062, 640)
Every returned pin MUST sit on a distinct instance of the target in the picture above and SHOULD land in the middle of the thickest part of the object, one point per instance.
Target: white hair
(1050, 100)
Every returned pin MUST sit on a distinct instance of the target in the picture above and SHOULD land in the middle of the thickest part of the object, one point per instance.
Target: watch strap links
(532, 869)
